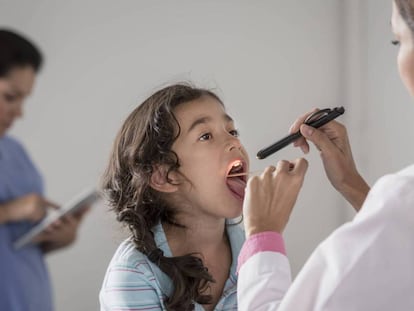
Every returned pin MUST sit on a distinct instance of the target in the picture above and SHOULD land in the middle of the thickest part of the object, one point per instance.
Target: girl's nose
(233, 143)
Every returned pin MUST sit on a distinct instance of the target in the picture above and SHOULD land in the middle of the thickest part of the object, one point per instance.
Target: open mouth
(237, 178)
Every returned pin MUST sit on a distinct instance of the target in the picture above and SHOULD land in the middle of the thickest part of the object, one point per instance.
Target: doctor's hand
(270, 197)
(31, 207)
(333, 143)
(61, 233)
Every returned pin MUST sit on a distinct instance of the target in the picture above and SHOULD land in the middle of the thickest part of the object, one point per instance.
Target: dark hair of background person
(145, 141)
(17, 51)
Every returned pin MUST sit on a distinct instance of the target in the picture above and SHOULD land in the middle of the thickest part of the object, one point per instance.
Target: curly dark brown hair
(144, 141)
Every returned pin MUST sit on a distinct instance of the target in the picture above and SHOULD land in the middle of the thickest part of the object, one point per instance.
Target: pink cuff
(269, 241)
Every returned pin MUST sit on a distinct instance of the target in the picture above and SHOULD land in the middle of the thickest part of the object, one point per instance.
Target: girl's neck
(204, 236)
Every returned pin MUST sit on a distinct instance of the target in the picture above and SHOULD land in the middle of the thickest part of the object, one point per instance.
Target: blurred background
(270, 61)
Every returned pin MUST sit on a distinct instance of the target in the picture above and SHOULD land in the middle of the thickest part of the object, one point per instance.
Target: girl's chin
(238, 212)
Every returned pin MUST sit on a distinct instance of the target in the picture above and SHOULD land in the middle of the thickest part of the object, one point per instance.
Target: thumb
(317, 137)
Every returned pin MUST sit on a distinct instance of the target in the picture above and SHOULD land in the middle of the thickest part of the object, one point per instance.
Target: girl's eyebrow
(206, 119)
(199, 121)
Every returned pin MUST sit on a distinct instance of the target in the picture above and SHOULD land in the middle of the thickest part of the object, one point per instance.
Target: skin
(7, 112)
(405, 58)
(207, 146)
(333, 144)
(270, 197)
(14, 89)
(332, 139)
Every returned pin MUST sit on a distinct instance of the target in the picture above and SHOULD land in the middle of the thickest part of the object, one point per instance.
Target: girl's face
(208, 149)
(13, 90)
(404, 37)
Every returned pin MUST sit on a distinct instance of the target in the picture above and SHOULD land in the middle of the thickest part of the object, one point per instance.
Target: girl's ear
(159, 180)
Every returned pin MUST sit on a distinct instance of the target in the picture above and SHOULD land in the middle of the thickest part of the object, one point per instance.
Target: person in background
(366, 264)
(25, 283)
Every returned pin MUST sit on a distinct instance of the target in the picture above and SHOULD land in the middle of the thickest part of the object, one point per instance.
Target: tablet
(87, 197)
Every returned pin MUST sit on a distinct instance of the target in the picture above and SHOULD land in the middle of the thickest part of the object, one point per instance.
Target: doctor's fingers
(301, 142)
(327, 140)
(299, 121)
(79, 215)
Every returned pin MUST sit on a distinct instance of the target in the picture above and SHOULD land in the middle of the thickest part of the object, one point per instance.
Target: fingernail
(307, 130)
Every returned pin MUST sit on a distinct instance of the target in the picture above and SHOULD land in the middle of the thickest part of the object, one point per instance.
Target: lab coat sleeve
(263, 272)
(367, 264)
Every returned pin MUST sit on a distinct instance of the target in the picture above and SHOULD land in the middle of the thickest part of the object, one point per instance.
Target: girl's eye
(395, 42)
(206, 136)
(235, 133)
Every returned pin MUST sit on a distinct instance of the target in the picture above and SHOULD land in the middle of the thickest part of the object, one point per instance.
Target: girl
(170, 181)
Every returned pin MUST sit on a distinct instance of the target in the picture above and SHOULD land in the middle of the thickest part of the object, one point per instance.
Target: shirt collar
(236, 238)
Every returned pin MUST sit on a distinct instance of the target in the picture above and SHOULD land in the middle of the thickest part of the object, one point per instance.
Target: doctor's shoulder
(12, 143)
(392, 194)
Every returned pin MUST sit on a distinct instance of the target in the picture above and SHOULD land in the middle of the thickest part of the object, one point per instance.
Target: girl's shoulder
(130, 281)
(128, 255)
(130, 265)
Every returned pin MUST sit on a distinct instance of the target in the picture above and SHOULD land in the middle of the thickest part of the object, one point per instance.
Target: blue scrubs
(24, 280)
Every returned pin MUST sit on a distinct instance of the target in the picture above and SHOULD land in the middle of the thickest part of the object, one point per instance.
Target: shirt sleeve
(128, 288)
(264, 272)
(366, 264)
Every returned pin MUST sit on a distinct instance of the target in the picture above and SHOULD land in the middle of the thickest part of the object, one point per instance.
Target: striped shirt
(133, 282)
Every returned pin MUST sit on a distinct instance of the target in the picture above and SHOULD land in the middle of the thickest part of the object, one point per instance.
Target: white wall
(271, 61)
(389, 109)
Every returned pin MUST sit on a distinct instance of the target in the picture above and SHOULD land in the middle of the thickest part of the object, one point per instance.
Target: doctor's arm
(333, 144)
(31, 207)
(61, 233)
(263, 268)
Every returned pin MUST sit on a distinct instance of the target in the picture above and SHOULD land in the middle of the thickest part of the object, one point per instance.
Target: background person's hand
(335, 150)
(270, 197)
(62, 232)
(30, 207)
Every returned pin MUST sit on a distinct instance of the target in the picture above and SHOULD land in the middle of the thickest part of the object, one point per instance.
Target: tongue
(236, 185)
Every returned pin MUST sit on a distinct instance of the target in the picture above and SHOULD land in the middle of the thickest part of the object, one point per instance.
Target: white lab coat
(365, 265)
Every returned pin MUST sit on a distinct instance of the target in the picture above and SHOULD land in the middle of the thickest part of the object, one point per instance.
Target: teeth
(237, 165)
